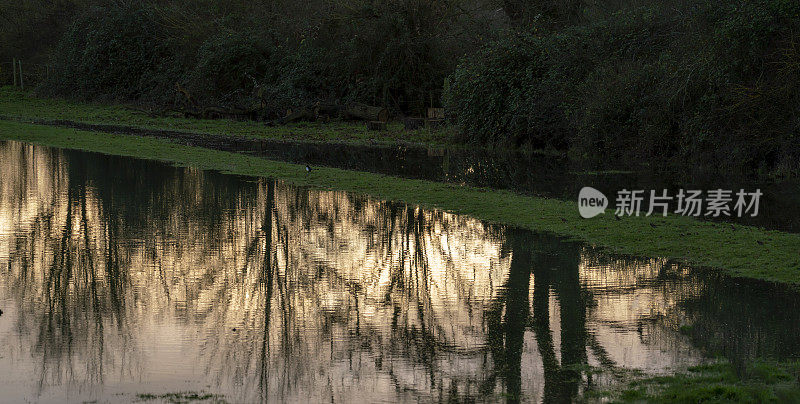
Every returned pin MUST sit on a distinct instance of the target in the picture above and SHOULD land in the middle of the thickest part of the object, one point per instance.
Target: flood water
(539, 174)
(121, 277)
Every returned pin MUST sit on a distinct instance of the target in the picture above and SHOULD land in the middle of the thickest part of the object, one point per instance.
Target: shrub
(503, 95)
(230, 66)
(117, 52)
(715, 84)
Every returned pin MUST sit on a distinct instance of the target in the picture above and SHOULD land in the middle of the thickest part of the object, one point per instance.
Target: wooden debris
(376, 125)
(313, 112)
(300, 114)
(413, 123)
(365, 112)
(435, 113)
(434, 123)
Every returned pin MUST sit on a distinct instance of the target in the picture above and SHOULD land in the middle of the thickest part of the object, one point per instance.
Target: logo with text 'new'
(591, 202)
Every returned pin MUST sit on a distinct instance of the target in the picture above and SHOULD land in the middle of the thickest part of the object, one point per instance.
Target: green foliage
(504, 95)
(396, 53)
(239, 53)
(228, 65)
(32, 27)
(118, 53)
(764, 382)
(300, 76)
(705, 82)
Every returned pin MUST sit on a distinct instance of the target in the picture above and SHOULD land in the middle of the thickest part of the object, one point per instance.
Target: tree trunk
(300, 114)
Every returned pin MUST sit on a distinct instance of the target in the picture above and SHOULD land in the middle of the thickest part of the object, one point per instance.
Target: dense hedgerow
(711, 82)
(669, 81)
(118, 53)
(229, 66)
(393, 54)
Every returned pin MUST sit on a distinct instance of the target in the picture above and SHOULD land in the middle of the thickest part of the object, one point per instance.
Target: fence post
(21, 84)
(14, 70)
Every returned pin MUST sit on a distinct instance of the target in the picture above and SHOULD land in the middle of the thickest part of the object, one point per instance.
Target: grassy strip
(182, 398)
(762, 382)
(741, 250)
(17, 104)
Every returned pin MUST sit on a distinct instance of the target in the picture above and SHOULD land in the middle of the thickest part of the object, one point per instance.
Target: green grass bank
(740, 251)
(23, 106)
(716, 382)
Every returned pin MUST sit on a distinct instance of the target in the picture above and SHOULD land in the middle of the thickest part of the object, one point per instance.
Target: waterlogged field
(744, 251)
(125, 279)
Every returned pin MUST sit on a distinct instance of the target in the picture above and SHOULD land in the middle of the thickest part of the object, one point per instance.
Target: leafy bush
(230, 66)
(701, 81)
(714, 83)
(394, 53)
(302, 75)
(505, 96)
(118, 53)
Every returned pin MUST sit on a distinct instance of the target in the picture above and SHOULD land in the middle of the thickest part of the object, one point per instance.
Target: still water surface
(121, 277)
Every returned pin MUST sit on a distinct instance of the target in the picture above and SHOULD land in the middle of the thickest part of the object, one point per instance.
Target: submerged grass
(739, 250)
(19, 105)
(182, 398)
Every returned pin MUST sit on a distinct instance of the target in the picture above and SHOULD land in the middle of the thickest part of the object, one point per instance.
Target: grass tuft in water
(182, 398)
(718, 382)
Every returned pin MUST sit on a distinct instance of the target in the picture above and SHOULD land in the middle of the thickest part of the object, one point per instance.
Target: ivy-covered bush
(230, 67)
(117, 53)
(712, 83)
(502, 95)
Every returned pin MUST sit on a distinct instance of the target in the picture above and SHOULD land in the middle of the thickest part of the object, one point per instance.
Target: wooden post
(21, 84)
(14, 70)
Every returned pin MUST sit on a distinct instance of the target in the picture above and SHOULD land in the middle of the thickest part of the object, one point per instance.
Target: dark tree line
(708, 82)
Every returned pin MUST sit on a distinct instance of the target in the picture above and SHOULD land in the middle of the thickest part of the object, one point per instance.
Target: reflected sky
(121, 276)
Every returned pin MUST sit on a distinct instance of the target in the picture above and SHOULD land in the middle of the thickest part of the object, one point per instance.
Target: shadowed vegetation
(763, 382)
(671, 83)
(16, 105)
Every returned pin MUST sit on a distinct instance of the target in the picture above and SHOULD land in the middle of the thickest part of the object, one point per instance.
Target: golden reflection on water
(122, 277)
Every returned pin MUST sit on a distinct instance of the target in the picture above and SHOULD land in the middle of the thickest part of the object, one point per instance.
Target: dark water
(544, 175)
(121, 277)
(538, 174)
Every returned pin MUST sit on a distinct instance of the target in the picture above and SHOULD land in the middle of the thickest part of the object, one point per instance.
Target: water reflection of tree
(381, 305)
(64, 268)
(314, 281)
(742, 320)
(552, 266)
(323, 288)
